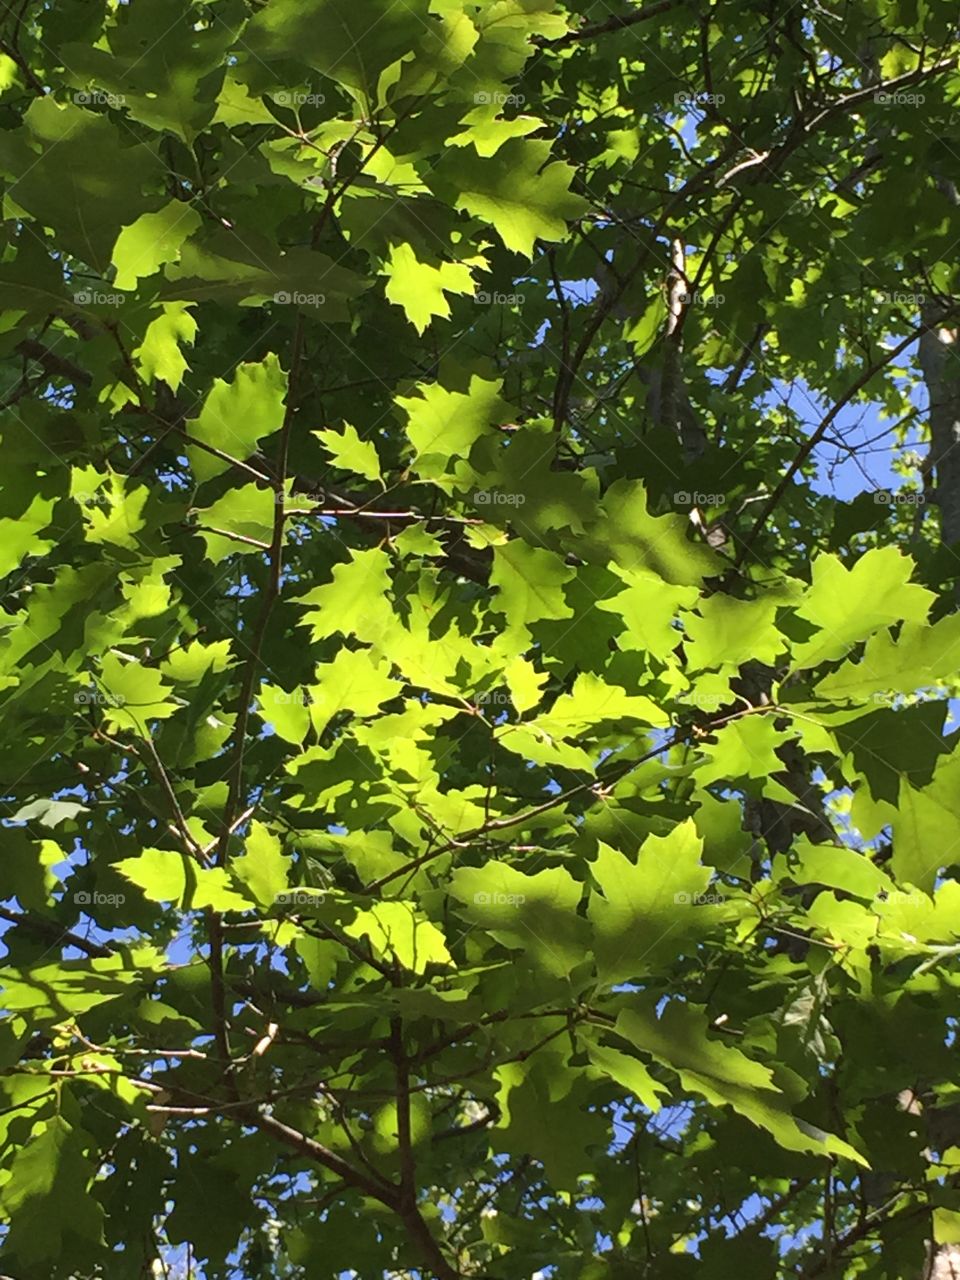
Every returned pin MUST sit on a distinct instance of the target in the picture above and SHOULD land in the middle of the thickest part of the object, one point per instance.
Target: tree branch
(619, 22)
(49, 931)
(824, 425)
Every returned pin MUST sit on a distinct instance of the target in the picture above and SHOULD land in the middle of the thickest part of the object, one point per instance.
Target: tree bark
(940, 364)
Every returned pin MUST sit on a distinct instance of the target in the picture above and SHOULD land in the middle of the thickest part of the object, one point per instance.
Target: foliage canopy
(476, 796)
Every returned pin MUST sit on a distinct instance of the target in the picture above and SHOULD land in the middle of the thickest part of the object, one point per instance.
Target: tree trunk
(940, 364)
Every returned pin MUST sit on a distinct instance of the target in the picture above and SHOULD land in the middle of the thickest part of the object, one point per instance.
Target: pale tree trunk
(944, 1264)
(940, 365)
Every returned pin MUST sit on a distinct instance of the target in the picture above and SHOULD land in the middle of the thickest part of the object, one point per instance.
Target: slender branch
(52, 364)
(803, 130)
(769, 162)
(235, 785)
(13, 50)
(600, 786)
(270, 596)
(619, 22)
(233, 537)
(776, 1207)
(172, 800)
(738, 370)
(370, 1184)
(823, 427)
(880, 1217)
(564, 332)
(51, 932)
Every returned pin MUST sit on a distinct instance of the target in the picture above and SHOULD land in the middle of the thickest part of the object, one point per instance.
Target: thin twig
(824, 425)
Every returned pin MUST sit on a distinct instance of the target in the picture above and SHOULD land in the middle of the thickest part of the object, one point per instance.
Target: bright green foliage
(479, 800)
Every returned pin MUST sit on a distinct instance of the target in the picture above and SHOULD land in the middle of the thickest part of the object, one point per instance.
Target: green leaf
(919, 658)
(164, 68)
(286, 713)
(49, 813)
(398, 931)
(117, 517)
(525, 684)
(847, 605)
(746, 748)
(350, 453)
(723, 1074)
(263, 869)
(237, 415)
(631, 539)
(135, 694)
(627, 1071)
(836, 868)
(165, 876)
(218, 266)
(153, 240)
(47, 1198)
(416, 540)
(74, 170)
(18, 537)
(644, 331)
(518, 192)
(926, 827)
(946, 1226)
(530, 583)
(486, 131)
(651, 907)
(444, 423)
(192, 662)
(725, 633)
(530, 1097)
(420, 288)
(246, 512)
(28, 863)
(357, 681)
(533, 913)
(159, 358)
(355, 602)
(352, 46)
(592, 700)
(52, 993)
(648, 607)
